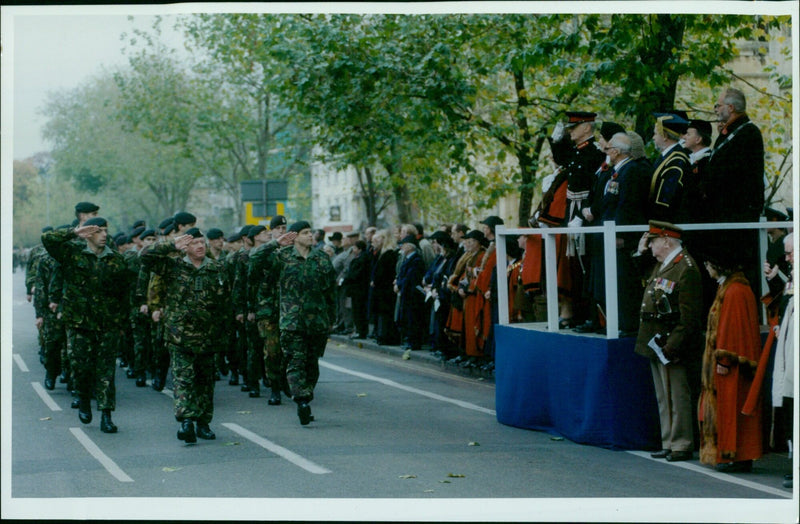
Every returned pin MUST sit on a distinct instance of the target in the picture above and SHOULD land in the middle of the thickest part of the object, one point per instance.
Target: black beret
(194, 232)
(137, 231)
(256, 230)
(245, 230)
(169, 228)
(122, 239)
(45, 229)
(609, 129)
(234, 237)
(277, 220)
(477, 235)
(86, 207)
(182, 218)
(164, 223)
(213, 233)
(96, 221)
(408, 239)
(139, 223)
(147, 233)
(300, 225)
(336, 236)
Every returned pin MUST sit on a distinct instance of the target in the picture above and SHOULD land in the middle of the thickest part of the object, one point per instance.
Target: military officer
(669, 334)
(196, 295)
(94, 288)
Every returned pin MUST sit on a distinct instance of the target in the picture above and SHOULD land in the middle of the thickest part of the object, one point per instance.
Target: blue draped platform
(588, 389)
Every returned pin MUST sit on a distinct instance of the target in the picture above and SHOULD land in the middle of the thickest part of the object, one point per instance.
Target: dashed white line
(719, 476)
(282, 452)
(20, 363)
(101, 457)
(45, 396)
(391, 383)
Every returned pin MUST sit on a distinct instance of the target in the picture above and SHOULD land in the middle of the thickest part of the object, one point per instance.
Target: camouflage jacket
(34, 257)
(94, 286)
(42, 285)
(196, 300)
(239, 283)
(307, 289)
(263, 292)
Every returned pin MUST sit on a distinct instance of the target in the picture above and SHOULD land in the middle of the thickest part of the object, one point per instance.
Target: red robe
(733, 340)
(482, 285)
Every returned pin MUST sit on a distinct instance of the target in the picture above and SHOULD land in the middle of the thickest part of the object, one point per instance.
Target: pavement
(423, 356)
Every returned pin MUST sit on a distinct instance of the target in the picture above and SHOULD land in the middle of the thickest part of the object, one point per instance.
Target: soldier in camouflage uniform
(141, 324)
(31, 269)
(214, 237)
(243, 298)
(155, 290)
(233, 244)
(47, 320)
(237, 266)
(307, 283)
(94, 289)
(263, 299)
(196, 308)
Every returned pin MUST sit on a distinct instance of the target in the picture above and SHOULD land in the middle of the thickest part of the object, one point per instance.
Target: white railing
(609, 229)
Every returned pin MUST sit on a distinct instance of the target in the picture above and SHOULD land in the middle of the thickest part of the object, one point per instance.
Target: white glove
(558, 131)
(547, 182)
(576, 222)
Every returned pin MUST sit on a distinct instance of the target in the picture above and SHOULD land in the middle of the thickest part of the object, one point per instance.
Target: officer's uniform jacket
(666, 184)
(263, 291)
(671, 307)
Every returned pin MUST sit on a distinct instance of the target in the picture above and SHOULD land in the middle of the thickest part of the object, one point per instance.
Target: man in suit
(671, 324)
(667, 182)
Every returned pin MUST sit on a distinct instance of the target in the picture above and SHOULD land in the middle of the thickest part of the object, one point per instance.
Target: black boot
(234, 380)
(186, 433)
(106, 426)
(50, 381)
(204, 432)
(275, 398)
(255, 392)
(75, 401)
(141, 381)
(157, 384)
(304, 413)
(85, 410)
(130, 373)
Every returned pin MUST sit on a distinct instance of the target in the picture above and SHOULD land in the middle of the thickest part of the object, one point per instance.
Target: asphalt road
(392, 440)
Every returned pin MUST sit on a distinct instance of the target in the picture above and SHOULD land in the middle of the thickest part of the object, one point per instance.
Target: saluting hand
(86, 231)
(287, 239)
(643, 243)
(182, 242)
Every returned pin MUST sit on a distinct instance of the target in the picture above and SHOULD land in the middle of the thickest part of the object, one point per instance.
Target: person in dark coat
(411, 318)
(381, 294)
(670, 168)
(356, 284)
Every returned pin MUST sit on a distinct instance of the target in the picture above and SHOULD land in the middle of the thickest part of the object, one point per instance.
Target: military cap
(353, 234)
(254, 230)
(492, 221)
(277, 221)
(182, 218)
(96, 221)
(670, 125)
(168, 229)
(663, 229)
(137, 231)
(139, 223)
(121, 240)
(164, 223)
(147, 233)
(703, 128)
(45, 229)
(477, 235)
(773, 215)
(118, 235)
(86, 207)
(335, 236)
(301, 225)
(408, 239)
(214, 233)
(578, 117)
(194, 232)
(609, 129)
(234, 237)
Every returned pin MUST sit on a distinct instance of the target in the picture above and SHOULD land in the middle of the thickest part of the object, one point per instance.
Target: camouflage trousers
(274, 363)
(255, 355)
(193, 384)
(54, 340)
(93, 357)
(302, 352)
(160, 356)
(142, 344)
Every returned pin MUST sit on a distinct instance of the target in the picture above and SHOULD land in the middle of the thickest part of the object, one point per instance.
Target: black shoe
(158, 384)
(106, 426)
(63, 378)
(304, 413)
(274, 398)
(204, 432)
(588, 327)
(130, 373)
(75, 404)
(234, 381)
(85, 410)
(676, 456)
(186, 433)
(50, 382)
(660, 454)
(123, 363)
(743, 466)
(141, 382)
(255, 393)
(245, 388)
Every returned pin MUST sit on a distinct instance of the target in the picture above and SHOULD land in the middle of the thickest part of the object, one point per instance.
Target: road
(392, 439)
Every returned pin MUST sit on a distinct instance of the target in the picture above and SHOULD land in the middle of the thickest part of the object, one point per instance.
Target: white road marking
(20, 363)
(724, 477)
(391, 383)
(101, 457)
(45, 396)
(282, 452)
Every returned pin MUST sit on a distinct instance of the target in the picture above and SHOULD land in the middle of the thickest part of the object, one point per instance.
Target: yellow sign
(251, 220)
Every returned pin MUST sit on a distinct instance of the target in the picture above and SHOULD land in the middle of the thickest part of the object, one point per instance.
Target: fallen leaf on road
(428, 491)
(445, 482)
(361, 395)
(473, 444)
(455, 475)
(167, 469)
(46, 418)
(233, 443)
(408, 476)
(244, 412)
(557, 439)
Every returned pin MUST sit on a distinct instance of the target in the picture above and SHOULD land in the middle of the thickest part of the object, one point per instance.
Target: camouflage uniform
(160, 356)
(307, 312)
(31, 269)
(247, 332)
(53, 335)
(94, 290)
(141, 324)
(264, 302)
(196, 308)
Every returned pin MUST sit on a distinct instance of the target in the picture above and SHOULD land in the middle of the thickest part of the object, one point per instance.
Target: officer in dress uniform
(671, 167)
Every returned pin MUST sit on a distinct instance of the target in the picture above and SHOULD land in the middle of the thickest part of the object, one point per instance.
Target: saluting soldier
(307, 284)
(141, 322)
(243, 299)
(196, 307)
(94, 287)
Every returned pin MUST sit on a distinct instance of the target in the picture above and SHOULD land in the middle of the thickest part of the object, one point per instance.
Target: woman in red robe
(729, 440)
